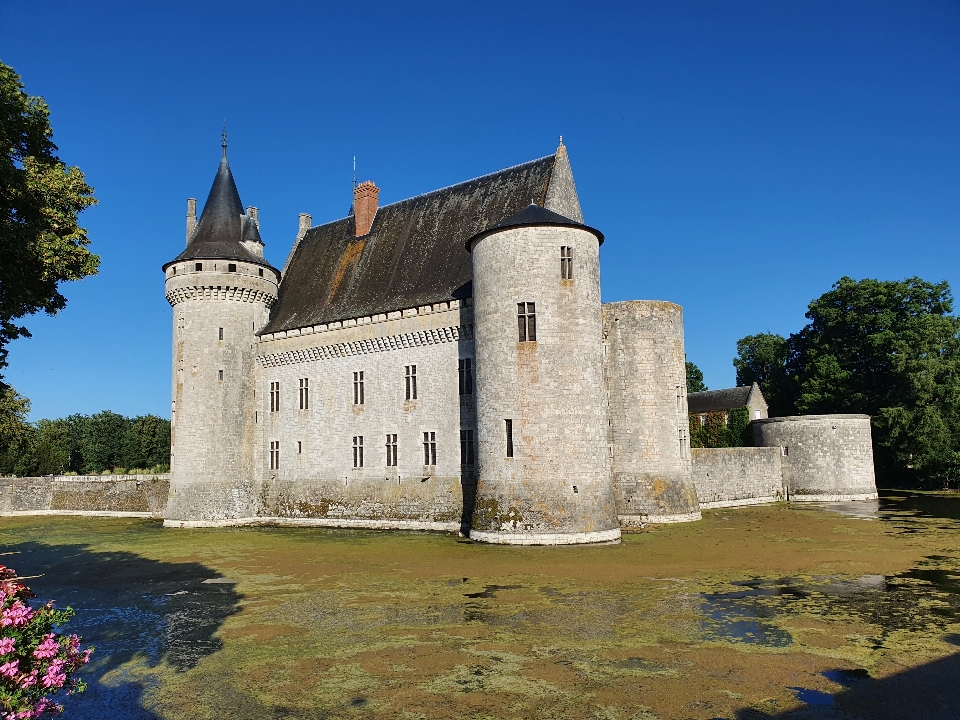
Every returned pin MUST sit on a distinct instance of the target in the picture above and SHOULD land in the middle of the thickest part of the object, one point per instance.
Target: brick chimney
(365, 206)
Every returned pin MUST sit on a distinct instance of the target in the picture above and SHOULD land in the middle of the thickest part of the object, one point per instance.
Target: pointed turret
(223, 232)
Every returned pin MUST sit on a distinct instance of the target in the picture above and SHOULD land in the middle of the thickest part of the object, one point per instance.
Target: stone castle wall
(107, 495)
(824, 457)
(645, 375)
(734, 476)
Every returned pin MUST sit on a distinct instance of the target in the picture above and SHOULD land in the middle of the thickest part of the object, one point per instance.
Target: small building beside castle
(441, 363)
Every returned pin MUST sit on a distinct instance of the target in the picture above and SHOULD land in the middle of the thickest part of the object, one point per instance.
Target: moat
(772, 611)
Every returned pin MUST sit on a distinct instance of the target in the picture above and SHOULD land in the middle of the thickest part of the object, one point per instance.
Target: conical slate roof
(221, 229)
(534, 215)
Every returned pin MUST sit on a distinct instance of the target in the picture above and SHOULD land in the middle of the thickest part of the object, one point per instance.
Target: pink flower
(6, 645)
(54, 677)
(28, 680)
(17, 614)
(48, 648)
(10, 669)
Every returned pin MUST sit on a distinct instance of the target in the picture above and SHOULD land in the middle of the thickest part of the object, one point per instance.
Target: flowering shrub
(35, 661)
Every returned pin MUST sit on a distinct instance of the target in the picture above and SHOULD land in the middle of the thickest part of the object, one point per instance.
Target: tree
(41, 244)
(694, 378)
(889, 349)
(104, 441)
(14, 429)
(762, 359)
(148, 442)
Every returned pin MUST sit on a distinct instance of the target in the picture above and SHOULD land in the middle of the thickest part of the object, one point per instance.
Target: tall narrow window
(220, 375)
(304, 393)
(566, 262)
(391, 450)
(527, 321)
(358, 388)
(429, 448)
(467, 450)
(509, 428)
(274, 454)
(299, 447)
(261, 272)
(221, 334)
(274, 397)
(466, 376)
(410, 376)
(358, 451)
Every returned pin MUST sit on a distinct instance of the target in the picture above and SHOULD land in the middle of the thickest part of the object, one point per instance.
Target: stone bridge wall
(107, 495)
(728, 477)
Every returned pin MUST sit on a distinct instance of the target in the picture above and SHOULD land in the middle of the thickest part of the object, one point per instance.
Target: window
(756, 414)
(509, 429)
(358, 451)
(299, 447)
(274, 397)
(173, 270)
(391, 450)
(682, 437)
(466, 376)
(410, 372)
(527, 321)
(358, 388)
(231, 267)
(261, 272)
(785, 450)
(467, 450)
(566, 263)
(274, 454)
(429, 448)
(220, 375)
(304, 393)
(198, 267)
(703, 420)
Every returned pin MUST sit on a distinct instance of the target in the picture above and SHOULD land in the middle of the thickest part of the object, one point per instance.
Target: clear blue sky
(739, 156)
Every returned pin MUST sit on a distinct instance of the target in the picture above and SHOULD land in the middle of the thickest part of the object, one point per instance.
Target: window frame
(527, 321)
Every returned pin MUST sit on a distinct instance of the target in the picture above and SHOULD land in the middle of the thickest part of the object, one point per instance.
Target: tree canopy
(890, 349)
(694, 378)
(41, 242)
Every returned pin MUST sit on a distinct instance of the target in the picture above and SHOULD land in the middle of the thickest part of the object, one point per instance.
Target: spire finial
(223, 139)
(561, 141)
(354, 172)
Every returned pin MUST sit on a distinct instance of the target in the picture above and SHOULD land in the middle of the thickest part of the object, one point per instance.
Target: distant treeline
(88, 444)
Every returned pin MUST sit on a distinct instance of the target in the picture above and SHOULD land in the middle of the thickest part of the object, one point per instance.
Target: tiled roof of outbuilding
(219, 231)
(716, 400)
(414, 254)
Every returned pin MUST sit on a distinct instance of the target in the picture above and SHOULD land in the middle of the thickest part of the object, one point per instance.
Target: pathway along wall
(551, 485)
(824, 457)
(645, 375)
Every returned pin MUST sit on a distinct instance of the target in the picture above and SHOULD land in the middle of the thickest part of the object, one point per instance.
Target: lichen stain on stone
(351, 254)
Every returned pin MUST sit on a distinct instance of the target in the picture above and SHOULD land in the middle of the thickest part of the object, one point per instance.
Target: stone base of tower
(645, 499)
(601, 537)
(208, 504)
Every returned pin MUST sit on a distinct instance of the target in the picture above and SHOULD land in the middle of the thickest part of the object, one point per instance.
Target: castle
(445, 363)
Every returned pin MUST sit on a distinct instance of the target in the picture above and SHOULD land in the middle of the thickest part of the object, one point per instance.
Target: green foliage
(41, 244)
(889, 349)
(81, 444)
(694, 378)
(721, 429)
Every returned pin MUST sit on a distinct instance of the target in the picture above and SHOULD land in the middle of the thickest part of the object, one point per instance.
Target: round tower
(543, 468)
(824, 457)
(645, 370)
(221, 290)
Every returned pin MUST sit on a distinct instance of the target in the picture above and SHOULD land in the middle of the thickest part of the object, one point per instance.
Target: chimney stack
(365, 206)
(191, 218)
(255, 214)
(306, 222)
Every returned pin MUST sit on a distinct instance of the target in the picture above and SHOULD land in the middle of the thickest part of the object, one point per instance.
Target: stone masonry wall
(109, 495)
(733, 476)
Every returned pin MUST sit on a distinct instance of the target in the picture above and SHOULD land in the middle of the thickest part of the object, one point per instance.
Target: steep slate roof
(414, 253)
(533, 215)
(716, 400)
(219, 231)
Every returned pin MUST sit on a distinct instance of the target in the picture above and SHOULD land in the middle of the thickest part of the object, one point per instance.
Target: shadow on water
(137, 612)
(928, 691)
